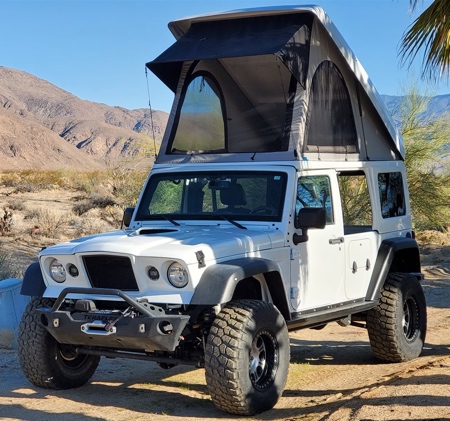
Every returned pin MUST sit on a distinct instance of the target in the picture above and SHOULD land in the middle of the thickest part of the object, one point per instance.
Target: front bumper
(147, 328)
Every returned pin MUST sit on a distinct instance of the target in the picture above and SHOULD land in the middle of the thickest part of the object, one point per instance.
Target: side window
(200, 126)
(315, 192)
(355, 200)
(392, 197)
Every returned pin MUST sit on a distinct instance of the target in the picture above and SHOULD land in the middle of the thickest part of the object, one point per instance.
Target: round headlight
(57, 271)
(177, 275)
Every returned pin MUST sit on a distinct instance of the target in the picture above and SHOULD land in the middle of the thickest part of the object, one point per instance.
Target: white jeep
(278, 201)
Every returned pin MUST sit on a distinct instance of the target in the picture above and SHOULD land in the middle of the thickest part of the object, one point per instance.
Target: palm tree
(430, 32)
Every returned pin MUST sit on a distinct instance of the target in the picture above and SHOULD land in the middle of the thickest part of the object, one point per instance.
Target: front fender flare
(219, 281)
(33, 283)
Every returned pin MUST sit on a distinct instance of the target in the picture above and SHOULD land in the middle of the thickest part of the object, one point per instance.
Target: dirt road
(333, 376)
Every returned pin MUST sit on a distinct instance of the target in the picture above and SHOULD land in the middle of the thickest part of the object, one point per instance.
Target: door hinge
(295, 254)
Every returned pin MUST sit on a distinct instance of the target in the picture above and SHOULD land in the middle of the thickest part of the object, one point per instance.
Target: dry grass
(434, 237)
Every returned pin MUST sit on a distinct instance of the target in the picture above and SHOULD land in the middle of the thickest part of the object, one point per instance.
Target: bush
(125, 183)
(89, 182)
(92, 202)
(90, 226)
(50, 223)
(6, 221)
(428, 174)
(17, 205)
(33, 180)
(113, 215)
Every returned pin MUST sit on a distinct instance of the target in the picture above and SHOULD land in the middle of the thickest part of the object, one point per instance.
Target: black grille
(110, 272)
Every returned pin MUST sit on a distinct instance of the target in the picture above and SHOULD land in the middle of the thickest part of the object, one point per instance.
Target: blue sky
(97, 49)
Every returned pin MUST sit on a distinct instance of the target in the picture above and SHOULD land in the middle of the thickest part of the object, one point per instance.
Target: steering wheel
(265, 210)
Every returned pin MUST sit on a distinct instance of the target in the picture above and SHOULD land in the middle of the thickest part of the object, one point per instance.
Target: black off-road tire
(44, 361)
(247, 357)
(397, 326)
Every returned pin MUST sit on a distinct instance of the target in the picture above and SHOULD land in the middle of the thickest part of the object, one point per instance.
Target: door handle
(338, 240)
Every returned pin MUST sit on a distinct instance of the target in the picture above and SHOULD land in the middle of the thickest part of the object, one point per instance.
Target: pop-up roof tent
(270, 84)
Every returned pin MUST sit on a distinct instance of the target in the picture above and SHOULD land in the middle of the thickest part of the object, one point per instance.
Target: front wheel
(45, 362)
(247, 357)
(397, 326)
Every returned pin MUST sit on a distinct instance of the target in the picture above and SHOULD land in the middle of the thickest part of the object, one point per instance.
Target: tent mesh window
(330, 123)
(201, 123)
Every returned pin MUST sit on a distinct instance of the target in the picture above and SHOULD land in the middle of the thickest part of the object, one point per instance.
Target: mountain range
(45, 127)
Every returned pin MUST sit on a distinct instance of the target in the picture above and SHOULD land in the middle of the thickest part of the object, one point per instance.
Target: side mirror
(127, 215)
(309, 218)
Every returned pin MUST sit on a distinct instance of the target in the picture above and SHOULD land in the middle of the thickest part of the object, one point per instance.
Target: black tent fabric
(237, 38)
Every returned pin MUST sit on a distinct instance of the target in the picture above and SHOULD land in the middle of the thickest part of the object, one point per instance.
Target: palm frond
(429, 33)
(413, 4)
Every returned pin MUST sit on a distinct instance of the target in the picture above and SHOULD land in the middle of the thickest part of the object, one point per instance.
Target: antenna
(151, 112)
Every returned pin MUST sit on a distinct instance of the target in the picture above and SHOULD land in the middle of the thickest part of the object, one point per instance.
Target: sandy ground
(333, 376)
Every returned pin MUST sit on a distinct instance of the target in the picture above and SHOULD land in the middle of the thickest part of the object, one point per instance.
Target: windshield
(243, 195)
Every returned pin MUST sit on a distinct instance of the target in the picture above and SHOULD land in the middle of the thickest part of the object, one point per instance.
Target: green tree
(429, 33)
(426, 144)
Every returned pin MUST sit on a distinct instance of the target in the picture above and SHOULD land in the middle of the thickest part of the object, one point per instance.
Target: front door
(318, 264)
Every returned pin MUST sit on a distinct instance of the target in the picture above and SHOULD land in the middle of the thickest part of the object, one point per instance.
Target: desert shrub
(31, 214)
(125, 182)
(81, 208)
(434, 237)
(17, 205)
(89, 182)
(9, 179)
(51, 223)
(90, 226)
(112, 215)
(426, 140)
(6, 221)
(92, 202)
(28, 181)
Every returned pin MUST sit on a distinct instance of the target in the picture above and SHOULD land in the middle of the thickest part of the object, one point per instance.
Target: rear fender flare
(394, 255)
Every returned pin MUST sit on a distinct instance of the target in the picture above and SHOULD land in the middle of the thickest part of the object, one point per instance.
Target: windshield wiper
(170, 220)
(232, 221)
(158, 216)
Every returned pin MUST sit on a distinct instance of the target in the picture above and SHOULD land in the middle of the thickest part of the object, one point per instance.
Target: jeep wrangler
(278, 201)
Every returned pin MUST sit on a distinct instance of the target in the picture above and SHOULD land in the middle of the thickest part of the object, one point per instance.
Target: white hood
(216, 242)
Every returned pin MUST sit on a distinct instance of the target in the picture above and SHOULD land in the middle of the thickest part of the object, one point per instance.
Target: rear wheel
(397, 326)
(44, 361)
(247, 357)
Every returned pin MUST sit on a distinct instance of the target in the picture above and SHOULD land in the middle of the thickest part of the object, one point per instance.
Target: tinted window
(314, 192)
(392, 197)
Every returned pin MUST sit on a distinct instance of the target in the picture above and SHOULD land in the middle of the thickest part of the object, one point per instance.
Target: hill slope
(43, 126)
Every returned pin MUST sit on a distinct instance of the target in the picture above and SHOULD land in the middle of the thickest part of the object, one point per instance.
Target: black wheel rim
(264, 358)
(410, 322)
